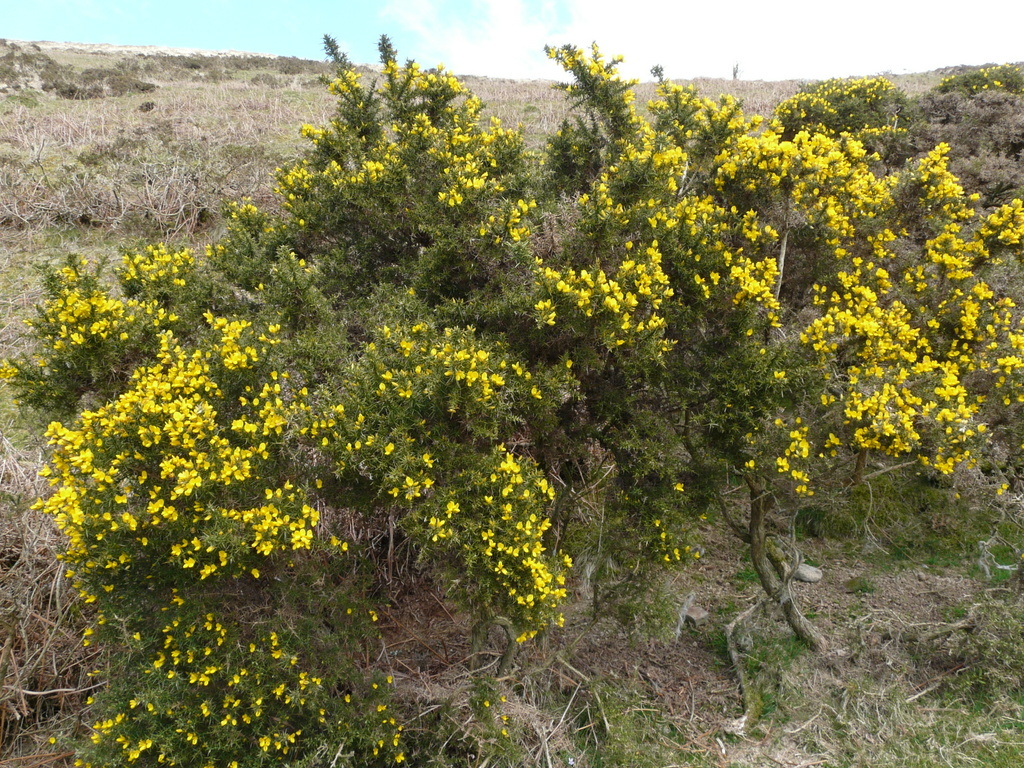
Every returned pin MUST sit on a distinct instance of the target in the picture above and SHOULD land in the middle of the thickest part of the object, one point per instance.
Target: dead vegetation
(44, 670)
(157, 164)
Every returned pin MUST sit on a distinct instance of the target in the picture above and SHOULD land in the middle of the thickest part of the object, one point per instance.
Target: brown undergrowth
(43, 667)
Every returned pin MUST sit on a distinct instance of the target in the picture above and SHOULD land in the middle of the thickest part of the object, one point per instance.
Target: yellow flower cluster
(755, 282)
(822, 182)
(723, 119)
(143, 474)
(77, 318)
(499, 523)
(865, 108)
(509, 223)
(626, 304)
(1003, 77)
(913, 356)
(227, 681)
(595, 65)
(343, 83)
(1003, 229)
(83, 313)
(157, 267)
(298, 181)
(451, 364)
(795, 456)
(435, 142)
(465, 154)
(415, 382)
(884, 401)
(940, 190)
(233, 354)
(87, 336)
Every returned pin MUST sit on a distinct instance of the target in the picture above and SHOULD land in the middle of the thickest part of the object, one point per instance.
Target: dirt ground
(868, 614)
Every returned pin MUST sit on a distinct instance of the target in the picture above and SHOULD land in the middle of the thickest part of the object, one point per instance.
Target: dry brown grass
(161, 163)
(43, 666)
(540, 107)
(164, 171)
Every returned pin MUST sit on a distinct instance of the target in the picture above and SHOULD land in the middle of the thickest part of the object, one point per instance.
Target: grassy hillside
(104, 151)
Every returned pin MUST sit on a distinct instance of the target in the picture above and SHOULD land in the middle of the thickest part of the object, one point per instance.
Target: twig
(922, 692)
(25, 692)
(883, 471)
(566, 711)
(935, 683)
(734, 654)
(418, 639)
(443, 606)
(48, 757)
(790, 732)
(947, 630)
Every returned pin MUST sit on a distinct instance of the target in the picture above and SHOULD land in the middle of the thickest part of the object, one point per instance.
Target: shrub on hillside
(506, 369)
(1005, 77)
(869, 109)
(984, 652)
(985, 129)
(96, 84)
(21, 68)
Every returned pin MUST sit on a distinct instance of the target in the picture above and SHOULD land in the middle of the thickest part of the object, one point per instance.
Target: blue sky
(807, 39)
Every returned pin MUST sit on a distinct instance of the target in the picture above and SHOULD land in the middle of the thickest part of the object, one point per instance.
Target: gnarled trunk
(774, 569)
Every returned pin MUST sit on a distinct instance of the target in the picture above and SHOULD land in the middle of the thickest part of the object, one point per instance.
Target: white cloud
(499, 38)
(797, 39)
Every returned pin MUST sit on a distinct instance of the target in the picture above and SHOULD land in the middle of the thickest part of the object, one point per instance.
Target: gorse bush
(511, 363)
(1006, 77)
(177, 485)
(869, 109)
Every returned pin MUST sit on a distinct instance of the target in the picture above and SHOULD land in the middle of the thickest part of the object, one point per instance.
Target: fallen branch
(935, 682)
(24, 692)
(734, 652)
